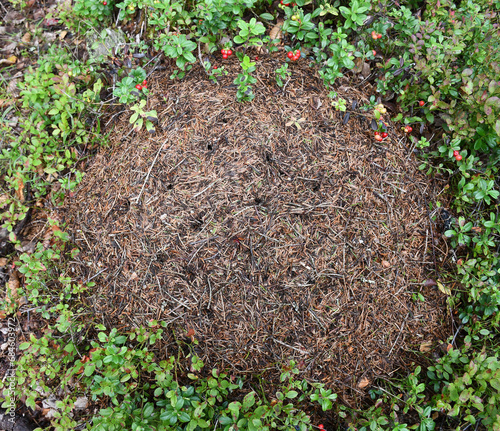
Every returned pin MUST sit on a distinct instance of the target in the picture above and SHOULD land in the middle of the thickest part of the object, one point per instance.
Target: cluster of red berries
(376, 35)
(142, 86)
(457, 155)
(380, 136)
(408, 129)
(226, 53)
(293, 56)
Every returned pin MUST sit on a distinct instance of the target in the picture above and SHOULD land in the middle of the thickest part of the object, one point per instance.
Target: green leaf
(238, 39)
(291, 394)
(184, 417)
(89, 370)
(171, 51)
(495, 384)
(189, 45)
(120, 339)
(225, 420)
(234, 407)
(453, 392)
(267, 16)
(180, 62)
(202, 423)
(249, 400)
(344, 11)
(497, 127)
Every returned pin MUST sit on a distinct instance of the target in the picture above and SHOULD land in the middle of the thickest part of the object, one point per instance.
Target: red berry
(384, 135)
(374, 52)
(421, 103)
(144, 87)
(144, 83)
(215, 67)
(455, 153)
(290, 54)
(378, 138)
(408, 129)
(224, 56)
(223, 51)
(377, 132)
(295, 57)
(379, 35)
(374, 34)
(104, 2)
(459, 157)
(229, 52)
(297, 52)
(139, 87)
(256, 57)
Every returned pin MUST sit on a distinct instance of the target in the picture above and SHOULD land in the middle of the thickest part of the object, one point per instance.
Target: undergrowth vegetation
(442, 65)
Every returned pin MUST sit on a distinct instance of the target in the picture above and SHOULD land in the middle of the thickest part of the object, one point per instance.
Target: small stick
(149, 172)
(210, 295)
(202, 63)
(304, 352)
(400, 331)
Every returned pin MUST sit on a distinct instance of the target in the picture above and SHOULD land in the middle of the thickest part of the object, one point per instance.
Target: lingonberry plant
(125, 89)
(245, 80)
(282, 75)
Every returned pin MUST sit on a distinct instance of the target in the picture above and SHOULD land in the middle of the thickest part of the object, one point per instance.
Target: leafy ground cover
(312, 101)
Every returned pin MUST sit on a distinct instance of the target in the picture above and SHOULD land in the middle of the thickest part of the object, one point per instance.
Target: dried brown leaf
(8, 61)
(4, 103)
(12, 89)
(363, 383)
(13, 285)
(20, 188)
(365, 72)
(426, 346)
(316, 102)
(358, 65)
(275, 32)
(26, 38)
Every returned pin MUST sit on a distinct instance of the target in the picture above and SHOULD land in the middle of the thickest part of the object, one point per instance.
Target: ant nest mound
(275, 230)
